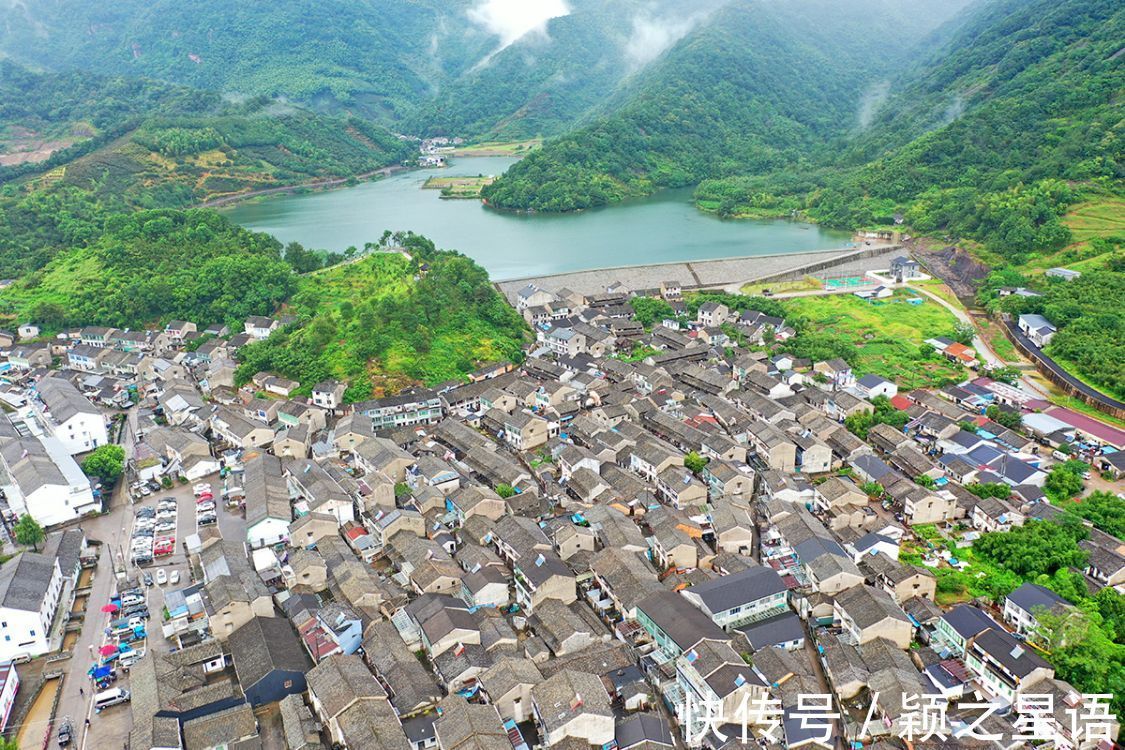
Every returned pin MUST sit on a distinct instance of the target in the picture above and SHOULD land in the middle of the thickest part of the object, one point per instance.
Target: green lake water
(662, 228)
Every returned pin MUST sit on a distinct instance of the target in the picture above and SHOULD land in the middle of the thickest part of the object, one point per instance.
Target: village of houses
(518, 561)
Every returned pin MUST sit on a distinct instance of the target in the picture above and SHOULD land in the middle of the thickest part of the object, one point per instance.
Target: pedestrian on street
(87, 721)
(81, 691)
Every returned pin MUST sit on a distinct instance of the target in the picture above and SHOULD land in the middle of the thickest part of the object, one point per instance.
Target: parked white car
(161, 577)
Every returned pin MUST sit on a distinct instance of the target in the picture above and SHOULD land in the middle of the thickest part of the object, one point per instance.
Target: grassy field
(806, 284)
(458, 187)
(887, 335)
(499, 148)
(991, 332)
(1101, 217)
(938, 288)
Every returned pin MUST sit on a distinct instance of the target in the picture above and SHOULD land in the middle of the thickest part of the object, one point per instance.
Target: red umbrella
(111, 607)
(107, 650)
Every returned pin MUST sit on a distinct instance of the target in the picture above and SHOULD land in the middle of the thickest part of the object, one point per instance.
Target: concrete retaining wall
(1060, 377)
(705, 274)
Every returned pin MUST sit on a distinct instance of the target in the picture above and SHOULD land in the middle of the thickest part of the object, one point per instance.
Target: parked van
(1059, 455)
(129, 658)
(110, 697)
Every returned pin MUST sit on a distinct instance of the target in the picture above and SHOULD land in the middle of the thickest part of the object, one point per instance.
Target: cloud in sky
(513, 19)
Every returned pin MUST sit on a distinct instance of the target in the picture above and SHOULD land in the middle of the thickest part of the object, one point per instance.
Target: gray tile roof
(63, 400)
(739, 589)
(340, 680)
(267, 495)
(262, 645)
(221, 728)
(642, 728)
(869, 606)
(967, 620)
(1031, 595)
(774, 630)
(24, 581)
(675, 615)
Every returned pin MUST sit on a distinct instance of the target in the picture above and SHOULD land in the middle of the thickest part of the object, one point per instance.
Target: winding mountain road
(987, 354)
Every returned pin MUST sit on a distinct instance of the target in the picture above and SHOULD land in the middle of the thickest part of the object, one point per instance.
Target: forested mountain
(367, 54)
(473, 68)
(1015, 116)
(428, 66)
(754, 88)
(118, 144)
(544, 83)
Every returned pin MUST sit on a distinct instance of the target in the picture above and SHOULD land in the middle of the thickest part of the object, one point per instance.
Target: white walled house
(1037, 328)
(30, 586)
(41, 479)
(329, 394)
(9, 686)
(1022, 606)
(741, 598)
(268, 510)
(71, 417)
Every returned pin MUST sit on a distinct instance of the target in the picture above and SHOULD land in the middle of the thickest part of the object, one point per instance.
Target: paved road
(111, 530)
(990, 357)
(1058, 370)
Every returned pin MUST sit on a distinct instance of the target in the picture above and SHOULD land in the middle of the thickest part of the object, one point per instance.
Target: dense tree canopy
(151, 266)
(1036, 548)
(106, 462)
(386, 321)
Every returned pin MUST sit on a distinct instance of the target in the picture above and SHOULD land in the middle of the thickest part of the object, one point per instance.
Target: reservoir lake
(662, 228)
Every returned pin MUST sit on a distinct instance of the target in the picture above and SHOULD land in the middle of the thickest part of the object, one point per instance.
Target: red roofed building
(961, 353)
(1090, 427)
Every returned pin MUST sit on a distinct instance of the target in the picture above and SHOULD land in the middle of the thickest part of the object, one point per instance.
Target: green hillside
(387, 321)
(124, 144)
(754, 89)
(427, 67)
(1036, 90)
(151, 266)
(368, 55)
(544, 85)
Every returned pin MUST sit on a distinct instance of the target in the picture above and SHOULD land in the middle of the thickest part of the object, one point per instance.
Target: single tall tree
(29, 533)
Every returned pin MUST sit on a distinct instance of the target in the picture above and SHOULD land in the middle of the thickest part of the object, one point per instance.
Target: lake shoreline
(666, 227)
(709, 273)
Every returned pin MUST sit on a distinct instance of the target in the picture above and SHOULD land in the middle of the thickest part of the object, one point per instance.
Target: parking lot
(111, 727)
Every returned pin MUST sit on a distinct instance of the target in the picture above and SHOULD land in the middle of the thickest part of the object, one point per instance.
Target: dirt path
(318, 185)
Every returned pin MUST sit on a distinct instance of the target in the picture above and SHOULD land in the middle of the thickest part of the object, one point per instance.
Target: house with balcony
(738, 599)
(406, 409)
(712, 673)
(958, 626)
(675, 624)
(1023, 606)
(1002, 666)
